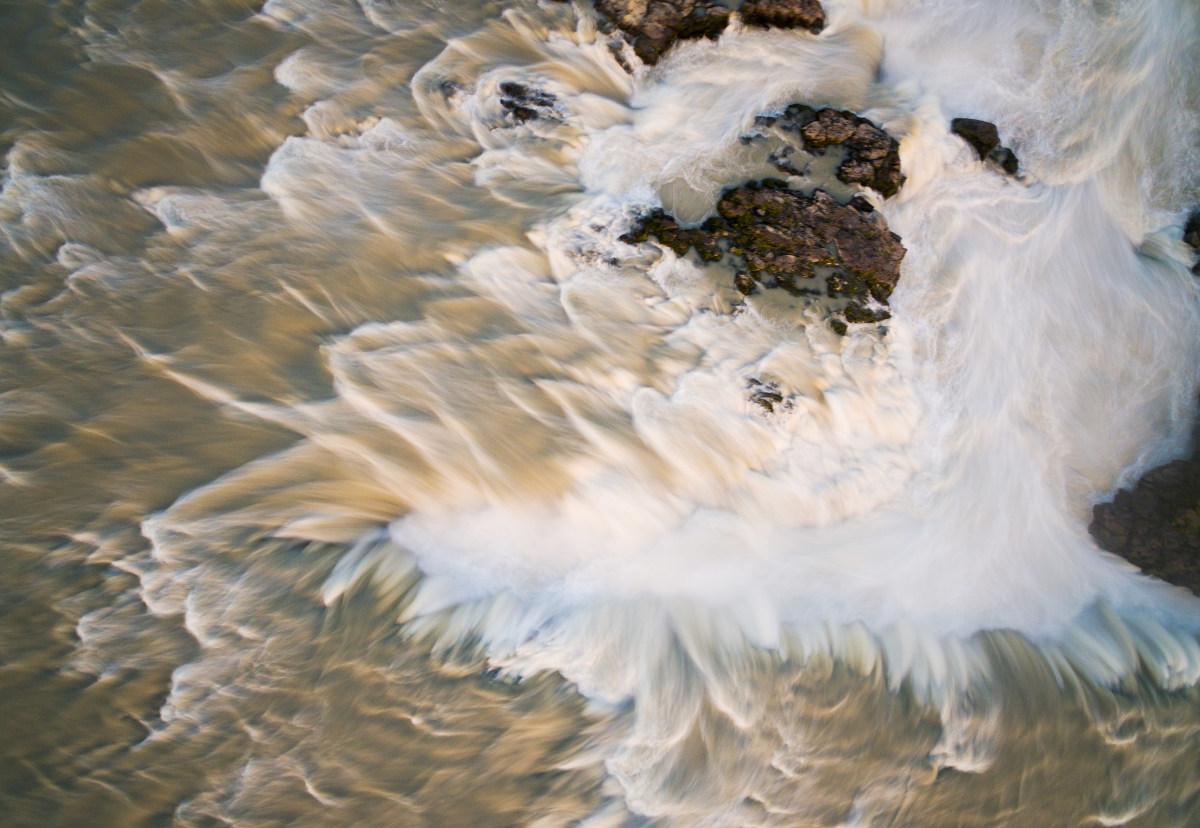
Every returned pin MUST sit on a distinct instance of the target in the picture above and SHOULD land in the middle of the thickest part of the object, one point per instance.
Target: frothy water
(531, 444)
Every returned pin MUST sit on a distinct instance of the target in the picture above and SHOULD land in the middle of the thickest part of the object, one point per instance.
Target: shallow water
(354, 471)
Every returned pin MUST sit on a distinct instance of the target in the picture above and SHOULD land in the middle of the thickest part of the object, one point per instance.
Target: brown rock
(785, 14)
(655, 25)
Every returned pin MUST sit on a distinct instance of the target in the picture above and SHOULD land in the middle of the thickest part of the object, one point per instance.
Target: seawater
(358, 472)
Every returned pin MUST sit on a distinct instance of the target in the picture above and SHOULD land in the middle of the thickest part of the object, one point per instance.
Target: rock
(1191, 235)
(985, 139)
(1156, 524)
(784, 236)
(1191, 231)
(982, 135)
(792, 241)
(785, 14)
(872, 156)
(655, 25)
(766, 395)
(525, 103)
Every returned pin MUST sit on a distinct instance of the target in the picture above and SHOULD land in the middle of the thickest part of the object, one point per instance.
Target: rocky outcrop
(1156, 524)
(786, 14)
(985, 139)
(653, 26)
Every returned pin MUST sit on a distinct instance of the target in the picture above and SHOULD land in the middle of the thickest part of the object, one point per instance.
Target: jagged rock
(787, 14)
(985, 140)
(525, 103)
(1191, 235)
(1156, 524)
(655, 25)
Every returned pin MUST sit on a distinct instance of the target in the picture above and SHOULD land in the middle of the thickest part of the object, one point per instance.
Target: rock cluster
(1156, 524)
(985, 139)
(653, 26)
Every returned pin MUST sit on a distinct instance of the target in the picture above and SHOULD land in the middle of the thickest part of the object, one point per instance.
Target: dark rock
(785, 14)
(1191, 235)
(655, 25)
(525, 103)
(1156, 524)
(1191, 231)
(985, 140)
(872, 156)
(1005, 159)
(982, 135)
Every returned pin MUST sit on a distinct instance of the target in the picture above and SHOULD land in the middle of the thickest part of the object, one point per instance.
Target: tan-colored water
(274, 278)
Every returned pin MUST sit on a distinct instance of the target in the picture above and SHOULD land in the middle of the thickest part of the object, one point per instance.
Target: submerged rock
(1156, 524)
(525, 103)
(787, 14)
(655, 25)
(985, 139)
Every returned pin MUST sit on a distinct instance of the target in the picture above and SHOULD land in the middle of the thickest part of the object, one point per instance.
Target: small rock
(767, 395)
(784, 14)
(982, 135)
(985, 140)
(1191, 235)
(525, 103)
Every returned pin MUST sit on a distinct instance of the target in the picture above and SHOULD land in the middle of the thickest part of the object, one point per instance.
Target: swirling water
(356, 472)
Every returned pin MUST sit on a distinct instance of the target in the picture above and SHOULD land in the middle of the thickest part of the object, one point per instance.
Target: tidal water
(353, 471)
